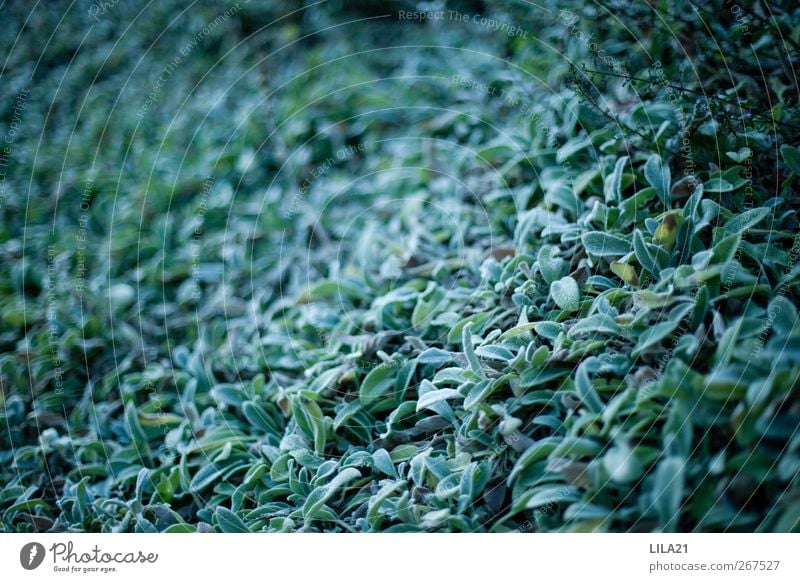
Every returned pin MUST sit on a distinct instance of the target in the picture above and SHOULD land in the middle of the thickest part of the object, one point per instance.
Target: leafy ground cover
(357, 267)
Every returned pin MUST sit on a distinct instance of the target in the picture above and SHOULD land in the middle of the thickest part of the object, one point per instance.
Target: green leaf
(181, 528)
(635, 205)
(643, 254)
(667, 231)
(612, 187)
(717, 185)
(725, 250)
(280, 470)
(537, 451)
(326, 380)
(539, 356)
(495, 352)
(205, 476)
(602, 244)
(791, 156)
(379, 498)
(383, 462)
(740, 223)
(740, 156)
(594, 324)
(259, 418)
(565, 293)
(621, 464)
(320, 496)
(29, 505)
(657, 173)
(332, 290)
(655, 334)
(572, 146)
(433, 396)
(551, 496)
(229, 522)
(469, 351)
(585, 389)
(379, 381)
(228, 394)
(562, 195)
(478, 319)
(537, 376)
(550, 265)
(518, 330)
(668, 491)
(135, 429)
(435, 356)
(311, 420)
(480, 392)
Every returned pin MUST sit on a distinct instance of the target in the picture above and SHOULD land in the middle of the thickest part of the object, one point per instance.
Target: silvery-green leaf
(791, 156)
(572, 146)
(551, 496)
(479, 392)
(346, 412)
(383, 462)
(536, 452)
(613, 183)
(602, 244)
(643, 253)
(469, 351)
(320, 496)
(657, 333)
(725, 250)
(594, 324)
(717, 185)
(668, 491)
(547, 329)
(538, 376)
(621, 464)
(430, 398)
(551, 266)
(746, 220)
(379, 381)
(258, 417)
(495, 352)
(435, 356)
(585, 389)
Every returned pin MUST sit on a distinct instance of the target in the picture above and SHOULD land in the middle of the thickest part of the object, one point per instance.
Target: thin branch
(693, 92)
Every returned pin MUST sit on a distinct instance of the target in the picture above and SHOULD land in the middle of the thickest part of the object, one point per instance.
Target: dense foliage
(350, 267)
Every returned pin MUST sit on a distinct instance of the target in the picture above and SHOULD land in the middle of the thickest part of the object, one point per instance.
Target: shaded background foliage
(338, 270)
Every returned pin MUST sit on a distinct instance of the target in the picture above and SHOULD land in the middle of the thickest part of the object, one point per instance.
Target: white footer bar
(400, 557)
